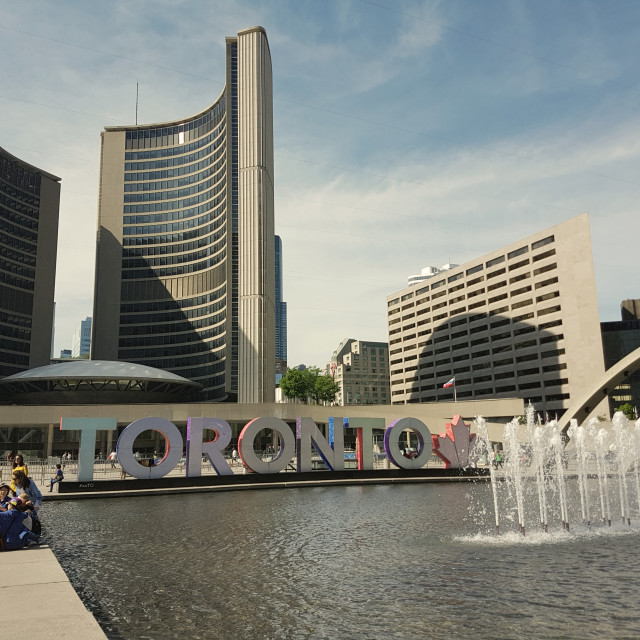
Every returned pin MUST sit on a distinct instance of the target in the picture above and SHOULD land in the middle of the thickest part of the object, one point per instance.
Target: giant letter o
(285, 453)
(392, 449)
(173, 441)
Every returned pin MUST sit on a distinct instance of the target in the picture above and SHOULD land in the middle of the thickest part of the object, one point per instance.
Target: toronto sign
(452, 446)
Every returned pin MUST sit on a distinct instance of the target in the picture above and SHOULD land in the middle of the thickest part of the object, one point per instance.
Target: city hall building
(185, 275)
(521, 322)
(29, 210)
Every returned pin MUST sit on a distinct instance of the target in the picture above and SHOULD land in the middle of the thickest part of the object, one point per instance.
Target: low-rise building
(361, 370)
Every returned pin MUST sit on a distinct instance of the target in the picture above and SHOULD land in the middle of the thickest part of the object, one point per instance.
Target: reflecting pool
(401, 561)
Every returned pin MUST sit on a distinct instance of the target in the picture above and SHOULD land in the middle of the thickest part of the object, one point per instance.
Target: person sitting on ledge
(13, 533)
(5, 496)
(25, 485)
(57, 477)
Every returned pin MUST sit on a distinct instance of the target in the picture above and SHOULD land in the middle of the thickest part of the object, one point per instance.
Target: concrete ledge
(33, 576)
(254, 481)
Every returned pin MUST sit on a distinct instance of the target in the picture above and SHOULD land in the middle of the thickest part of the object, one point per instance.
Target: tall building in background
(185, 276)
(81, 342)
(29, 210)
(361, 371)
(521, 322)
(281, 315)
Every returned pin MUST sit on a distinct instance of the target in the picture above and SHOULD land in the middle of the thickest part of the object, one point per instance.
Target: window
(548, 296)
(525, 344)
(524, 303)
(544, 312)
(422, 290)
(392, 302)
(457, 276)
(498, 272)
(545, 283)
(517, 265)
(475, 281)
(542, 243)
(406, 296)
(495, 261)
(437, 285)
(475, 269)
(517, 252)
(522, 276)
(497, 285)
(546, 254)
(517, 292)
(548, 267)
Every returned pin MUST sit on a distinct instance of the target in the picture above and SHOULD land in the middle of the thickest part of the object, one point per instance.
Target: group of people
(19, 504)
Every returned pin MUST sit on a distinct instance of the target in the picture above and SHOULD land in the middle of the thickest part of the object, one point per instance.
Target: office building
(521, 322)
(29, 210)
(81, 342)
(185, 251)
(361, 371)
(281, 315)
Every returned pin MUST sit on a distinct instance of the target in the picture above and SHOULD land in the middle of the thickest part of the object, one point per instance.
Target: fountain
(550, 479)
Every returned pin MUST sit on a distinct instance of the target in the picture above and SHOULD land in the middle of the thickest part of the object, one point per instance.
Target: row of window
(213, 297)
(185, 247)
(144, 241)
(187, 211)
(163, 136)
(178, 161)
(16, 175)
(163, 185)
(27, 203)
(18, 225)
(185, 329)
(171, 272)
(512, 254)
(169, 150)
(181, 258)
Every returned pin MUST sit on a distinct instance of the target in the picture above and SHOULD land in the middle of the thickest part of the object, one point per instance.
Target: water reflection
(345, 562)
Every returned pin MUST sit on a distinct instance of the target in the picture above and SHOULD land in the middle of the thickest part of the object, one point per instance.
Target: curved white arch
(611, 378)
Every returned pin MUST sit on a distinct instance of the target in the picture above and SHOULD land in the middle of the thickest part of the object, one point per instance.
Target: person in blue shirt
(57, 477)
(5, 496)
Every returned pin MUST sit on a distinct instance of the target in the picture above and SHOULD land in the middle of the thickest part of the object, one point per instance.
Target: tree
(308, 384)
(326, 389)
(628, 411)
(295, 385)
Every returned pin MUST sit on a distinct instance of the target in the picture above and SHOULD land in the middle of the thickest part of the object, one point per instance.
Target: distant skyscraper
(29, 209)
(81, 343)
(66, 353)
(185, 254)
(281, 314)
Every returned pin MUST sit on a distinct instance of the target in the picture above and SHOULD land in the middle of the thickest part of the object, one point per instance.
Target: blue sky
(407, 133)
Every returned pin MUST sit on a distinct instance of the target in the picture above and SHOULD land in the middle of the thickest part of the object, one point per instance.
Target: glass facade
(175, 224)
(20, 233)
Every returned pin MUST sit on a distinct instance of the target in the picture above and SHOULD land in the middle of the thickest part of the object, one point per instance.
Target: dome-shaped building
(95, 382)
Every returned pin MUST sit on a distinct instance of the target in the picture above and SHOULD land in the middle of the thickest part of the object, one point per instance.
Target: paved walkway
(50, 607)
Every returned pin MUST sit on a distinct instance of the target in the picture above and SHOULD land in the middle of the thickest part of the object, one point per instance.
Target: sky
(407, 133)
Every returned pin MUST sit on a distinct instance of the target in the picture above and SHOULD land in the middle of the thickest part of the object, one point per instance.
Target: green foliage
(326, 389)
(308, 384)
(628, 411)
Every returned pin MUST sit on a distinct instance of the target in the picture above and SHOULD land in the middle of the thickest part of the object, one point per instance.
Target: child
(58, 477)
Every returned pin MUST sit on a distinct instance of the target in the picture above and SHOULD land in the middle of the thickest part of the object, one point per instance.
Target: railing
(41, 470)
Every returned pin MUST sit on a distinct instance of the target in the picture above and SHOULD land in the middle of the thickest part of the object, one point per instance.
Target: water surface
(405, 561)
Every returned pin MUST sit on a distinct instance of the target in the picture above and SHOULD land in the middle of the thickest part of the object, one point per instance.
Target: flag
(450, 383)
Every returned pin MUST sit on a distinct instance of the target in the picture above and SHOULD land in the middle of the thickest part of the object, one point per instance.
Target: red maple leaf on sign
(453, 445)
